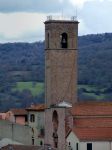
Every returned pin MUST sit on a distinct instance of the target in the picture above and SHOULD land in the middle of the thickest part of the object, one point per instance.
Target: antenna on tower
(76, 12)
(62, 14)
(75, 15)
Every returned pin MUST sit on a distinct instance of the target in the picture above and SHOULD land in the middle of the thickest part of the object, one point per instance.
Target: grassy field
(91, 88)
(92, 91)
(36, 88)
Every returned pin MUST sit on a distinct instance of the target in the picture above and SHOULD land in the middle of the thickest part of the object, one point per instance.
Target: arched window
(32, 118)
(55, 128)
(55, 120)
(64, 40)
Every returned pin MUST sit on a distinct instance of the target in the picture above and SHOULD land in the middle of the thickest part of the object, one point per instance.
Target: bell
(63, 41)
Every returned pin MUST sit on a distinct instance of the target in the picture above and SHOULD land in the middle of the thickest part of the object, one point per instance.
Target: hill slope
(23, 63)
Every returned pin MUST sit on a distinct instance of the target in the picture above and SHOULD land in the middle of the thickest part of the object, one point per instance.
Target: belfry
(60, 77)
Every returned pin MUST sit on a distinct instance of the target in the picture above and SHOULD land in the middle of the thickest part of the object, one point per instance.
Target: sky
(23, 20)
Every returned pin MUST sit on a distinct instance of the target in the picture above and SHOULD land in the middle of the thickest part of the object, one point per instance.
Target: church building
(60, 77)
(70, 124)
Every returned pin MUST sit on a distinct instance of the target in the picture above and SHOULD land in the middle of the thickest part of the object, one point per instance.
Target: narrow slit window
(48, 40)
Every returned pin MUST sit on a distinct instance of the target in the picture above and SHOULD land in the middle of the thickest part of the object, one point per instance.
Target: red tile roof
(92, 121)
(93, 134)
(37, 107)
(92, 109)
(18, 111)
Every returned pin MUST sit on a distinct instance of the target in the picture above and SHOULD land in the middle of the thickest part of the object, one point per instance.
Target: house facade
(73, 143)
(17, 115)
(92, 126)
(36, 120)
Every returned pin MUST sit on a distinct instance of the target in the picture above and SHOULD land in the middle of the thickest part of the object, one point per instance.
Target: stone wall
(49, 127)
(60, 63)
(16, 132)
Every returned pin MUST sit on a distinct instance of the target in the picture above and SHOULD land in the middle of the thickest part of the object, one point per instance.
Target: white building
(94, 141)
(92, 127)
(36, 117)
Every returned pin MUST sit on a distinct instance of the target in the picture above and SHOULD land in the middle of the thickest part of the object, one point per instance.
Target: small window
(64, 40)
(32, 118)
(26, 118)
(42, 132)
(77, 146)
(89, 146)
(41, 143)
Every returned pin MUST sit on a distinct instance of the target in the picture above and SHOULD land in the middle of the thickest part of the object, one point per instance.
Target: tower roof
(61, 19)
(64, 104)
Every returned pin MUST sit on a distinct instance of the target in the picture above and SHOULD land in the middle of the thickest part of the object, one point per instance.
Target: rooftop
(61, 17)
(36, 107)
(92, 109)
(92, 121)
(64, 104)
(93, 134)
(18, 111)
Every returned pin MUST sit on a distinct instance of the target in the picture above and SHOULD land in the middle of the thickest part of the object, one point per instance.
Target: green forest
(22, 71)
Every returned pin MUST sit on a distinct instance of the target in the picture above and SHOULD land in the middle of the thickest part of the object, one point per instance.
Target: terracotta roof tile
(92, 108)
(37, 107)
(93, 122)
(18, 111)
(93, 134)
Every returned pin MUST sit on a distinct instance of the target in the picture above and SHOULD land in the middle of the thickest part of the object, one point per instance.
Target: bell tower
(61, 61)
(60, 77)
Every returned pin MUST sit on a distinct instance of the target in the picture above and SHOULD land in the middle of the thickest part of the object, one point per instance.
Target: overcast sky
(22, 20)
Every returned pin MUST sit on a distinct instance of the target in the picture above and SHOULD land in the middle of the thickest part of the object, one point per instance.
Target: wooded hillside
(22, 71)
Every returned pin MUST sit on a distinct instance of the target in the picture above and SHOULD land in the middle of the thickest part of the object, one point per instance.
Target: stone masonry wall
(16, 132)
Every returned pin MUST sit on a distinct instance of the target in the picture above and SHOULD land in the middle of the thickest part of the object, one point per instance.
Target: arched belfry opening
(55, 128)
(64, 40)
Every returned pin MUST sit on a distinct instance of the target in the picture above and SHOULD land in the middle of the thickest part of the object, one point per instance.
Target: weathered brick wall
(61, 76)
(56, 28)
(61, 63)
(49, 127)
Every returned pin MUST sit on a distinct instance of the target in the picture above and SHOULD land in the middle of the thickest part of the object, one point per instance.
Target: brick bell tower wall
(49, 129)
(61, 61)
(60, 77)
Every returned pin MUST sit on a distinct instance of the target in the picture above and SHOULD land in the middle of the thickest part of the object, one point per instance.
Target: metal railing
(73, 18)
